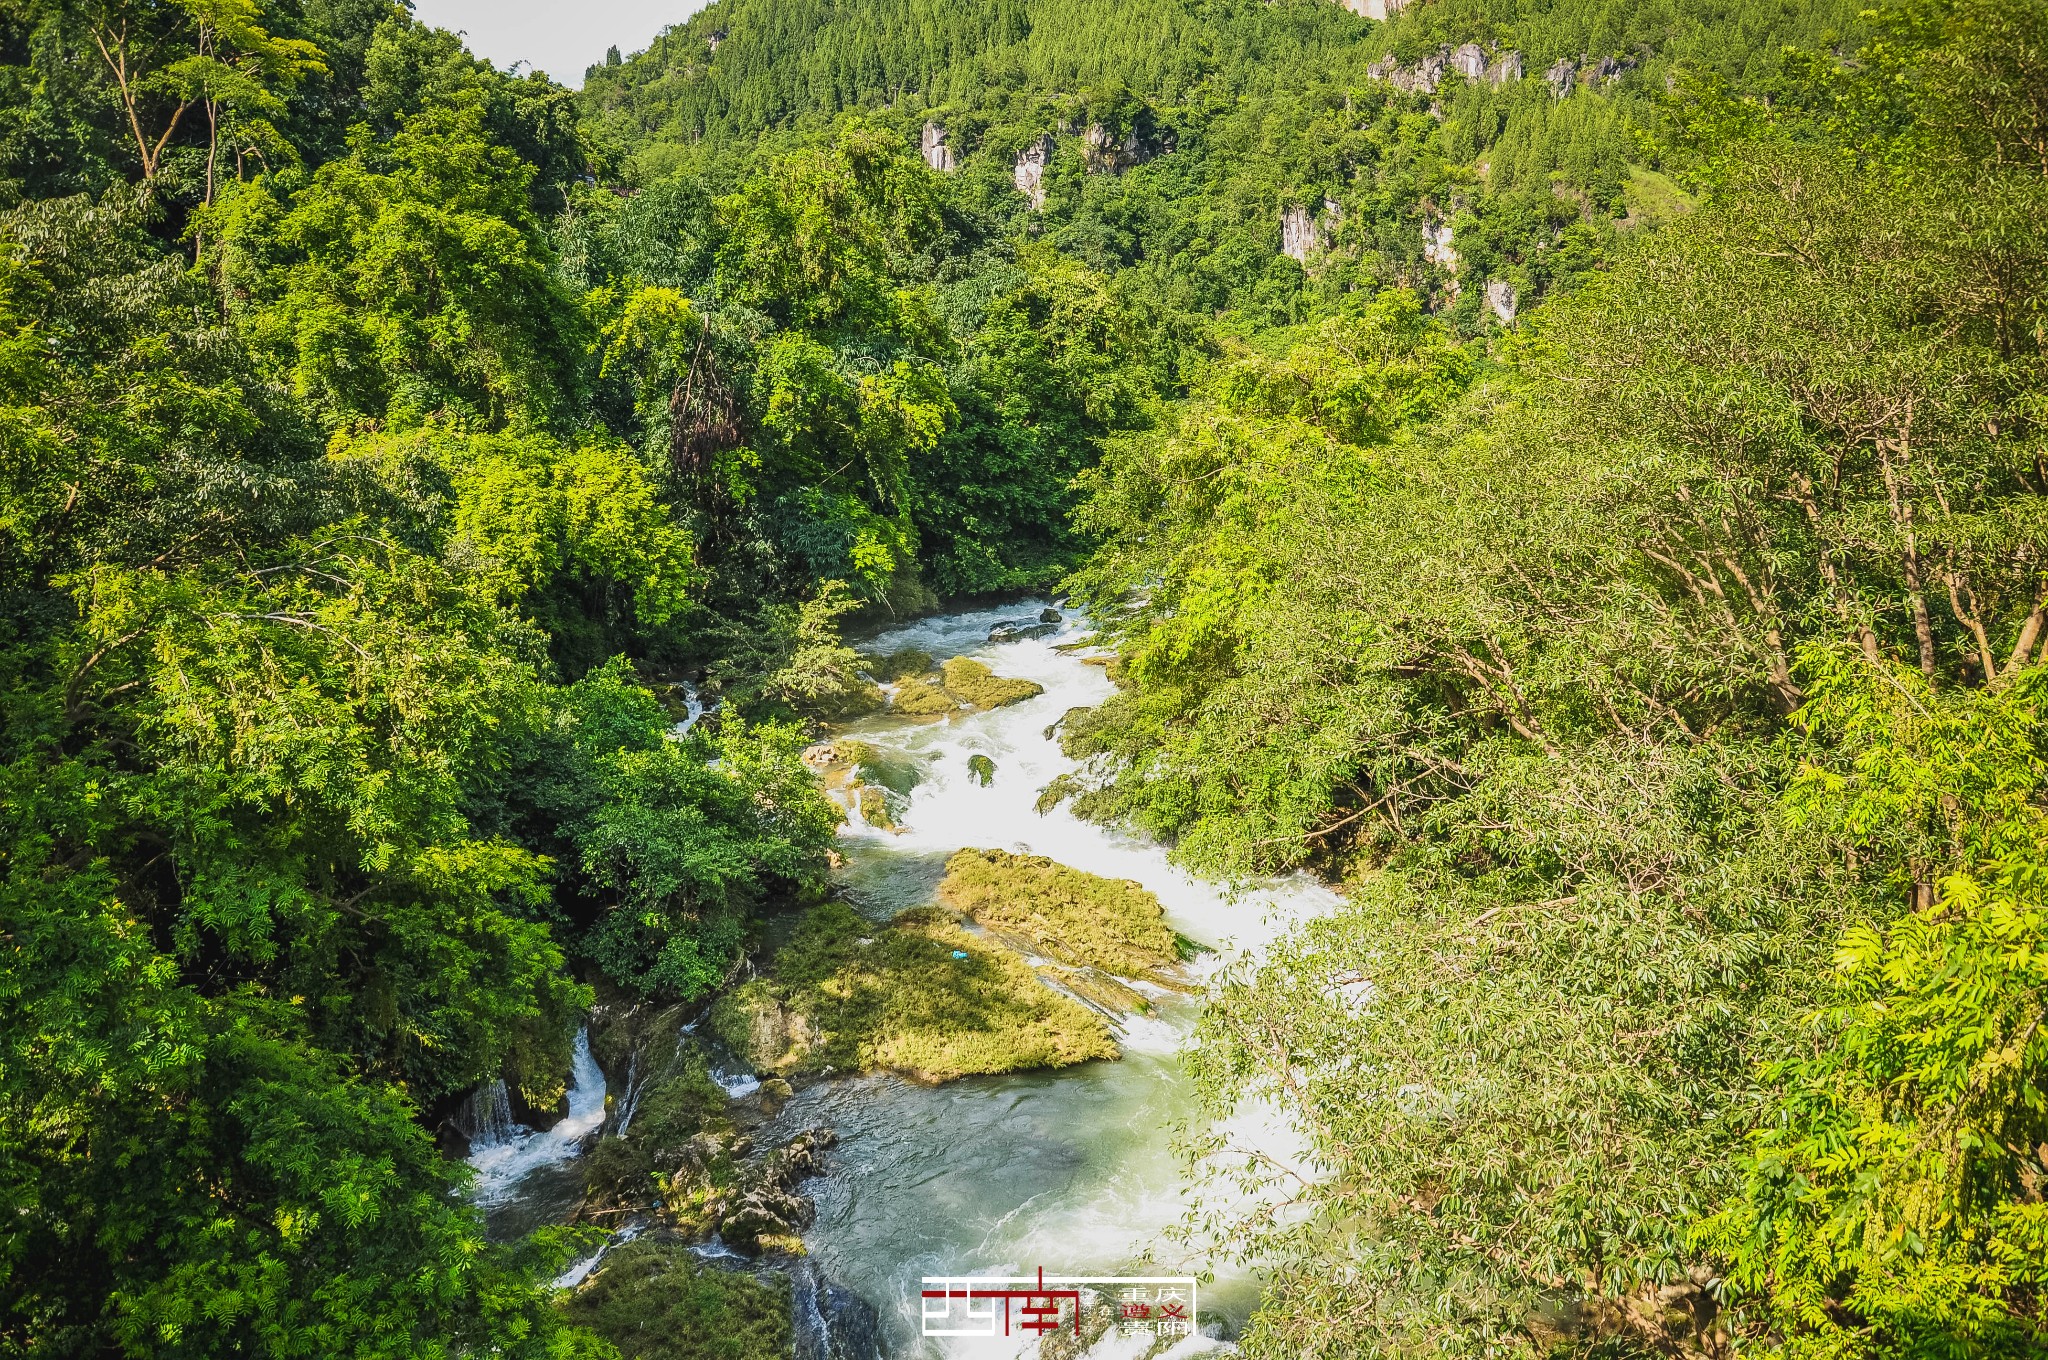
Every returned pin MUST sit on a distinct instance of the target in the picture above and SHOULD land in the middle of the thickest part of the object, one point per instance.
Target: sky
(561, 37)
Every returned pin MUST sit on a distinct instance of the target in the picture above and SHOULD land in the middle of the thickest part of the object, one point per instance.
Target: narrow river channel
(1072, 1170)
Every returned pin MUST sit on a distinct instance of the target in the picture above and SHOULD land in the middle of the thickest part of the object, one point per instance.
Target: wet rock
(764, 1212)
(763, 1204)
(1051, 616)
(981, 770)
(1019, 629)
(875, 809)
(978, 686)
(773, 1095)
(923, 697)
(829, 1321)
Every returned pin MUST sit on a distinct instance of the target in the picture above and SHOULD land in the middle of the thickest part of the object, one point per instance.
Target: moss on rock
(656, 1301)
(1078, 918)
(900, 665)
(977, 685)
(874, 806)
(920, 996)
(923, 697)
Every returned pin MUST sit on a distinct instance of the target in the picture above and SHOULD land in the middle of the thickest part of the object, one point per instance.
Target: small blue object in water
(959, 953)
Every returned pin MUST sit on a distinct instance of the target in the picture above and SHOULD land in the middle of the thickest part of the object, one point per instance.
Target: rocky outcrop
(937, 154)
(1017, 630)
(1610, 69)
(1501, 300)
(1469, 60)
(1375, 9)
(1437, 247)
(1104, 153)
(761, 1210)
(1302, 235)
(1298, 238)
(1029, 175)
(1561, 76)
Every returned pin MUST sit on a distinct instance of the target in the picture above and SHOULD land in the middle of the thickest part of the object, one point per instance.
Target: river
(1072, 1170)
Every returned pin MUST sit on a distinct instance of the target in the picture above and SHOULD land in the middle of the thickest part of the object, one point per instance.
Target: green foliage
(1539, 662)
(674, 842)
(1894, 1196)
(847, 995)
(405, 280)
(656, 1301)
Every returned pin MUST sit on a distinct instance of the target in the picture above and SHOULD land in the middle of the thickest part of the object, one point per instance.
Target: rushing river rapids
(1073, 1170)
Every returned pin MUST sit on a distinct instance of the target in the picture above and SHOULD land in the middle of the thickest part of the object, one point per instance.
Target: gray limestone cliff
(937, 154)
(1029, 176)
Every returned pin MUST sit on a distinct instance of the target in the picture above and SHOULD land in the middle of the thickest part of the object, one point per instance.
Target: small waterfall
(693, 709)
(579, 1272)
(630, 1101)
(829, 1320)
(504, 1161)
(486, 1117)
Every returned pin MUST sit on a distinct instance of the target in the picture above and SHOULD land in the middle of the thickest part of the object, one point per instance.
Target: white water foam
(516, 1152)
(935, 1182)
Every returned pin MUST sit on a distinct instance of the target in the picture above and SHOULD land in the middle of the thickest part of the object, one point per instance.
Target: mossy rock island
(920, 996)
(1040, 906)
(960, 685)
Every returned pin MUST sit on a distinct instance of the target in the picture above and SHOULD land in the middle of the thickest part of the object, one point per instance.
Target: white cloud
(561, 39)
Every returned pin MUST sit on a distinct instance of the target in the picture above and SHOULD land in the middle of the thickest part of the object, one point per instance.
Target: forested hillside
(1588, 505)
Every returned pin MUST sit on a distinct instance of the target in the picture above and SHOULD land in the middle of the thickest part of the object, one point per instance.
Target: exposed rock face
(1469, 60)
(937, 154)
(1562, 75)
(1375, 9)
(1611, 69)
(1019, 629)
(1029, 175)
(762, 1202)
(1500, 298)
(1105, 154)
(1297, 233)
(1302, 235)
(1436, 246)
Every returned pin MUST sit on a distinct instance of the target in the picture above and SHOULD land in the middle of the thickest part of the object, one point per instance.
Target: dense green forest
(1610, 546)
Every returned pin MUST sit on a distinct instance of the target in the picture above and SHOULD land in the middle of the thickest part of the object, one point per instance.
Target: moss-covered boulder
(900, 665)
(875, 808)
(656, 1301)
(923, 696)
(960, 684)
(979, 687)
(1077, 918)
(919, 996)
